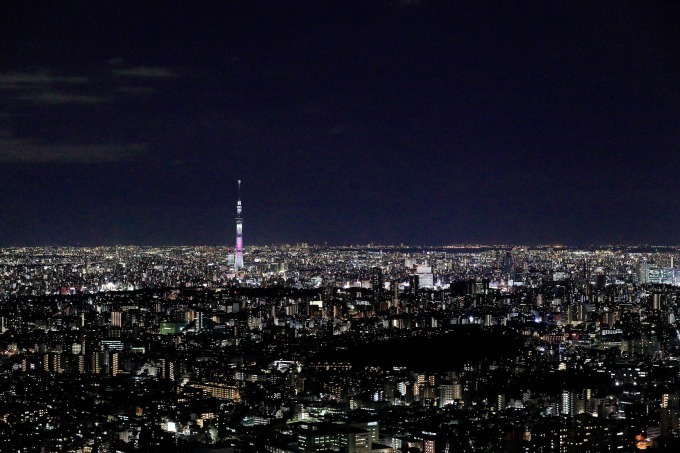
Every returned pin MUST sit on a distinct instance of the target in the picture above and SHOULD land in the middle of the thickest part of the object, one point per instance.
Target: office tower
(425, 276)
(507, 263)
(201, 320)
(238, 260)
(670, 413)
(394, 286)
(115, 363)
(96, 362)
(413, 285)
(567, 403)
(446, 394)
(377, 284)
(600, 278)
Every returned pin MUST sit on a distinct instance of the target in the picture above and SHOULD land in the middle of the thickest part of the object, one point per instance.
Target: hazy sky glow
(348, 122)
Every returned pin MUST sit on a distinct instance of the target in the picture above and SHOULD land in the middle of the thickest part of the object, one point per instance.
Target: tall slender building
(238, 261)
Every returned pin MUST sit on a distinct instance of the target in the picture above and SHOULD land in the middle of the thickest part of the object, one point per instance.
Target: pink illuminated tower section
(238, 261)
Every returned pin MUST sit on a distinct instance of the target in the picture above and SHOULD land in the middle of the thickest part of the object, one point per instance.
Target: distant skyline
(415, 122)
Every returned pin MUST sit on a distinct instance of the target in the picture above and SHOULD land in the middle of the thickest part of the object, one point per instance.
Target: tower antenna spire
(238, 256)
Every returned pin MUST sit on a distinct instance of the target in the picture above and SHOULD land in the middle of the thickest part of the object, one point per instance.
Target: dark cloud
(56, 97)
(75, 136)
(146, 72)
(95, 87)
(32, 80)
(25, 150)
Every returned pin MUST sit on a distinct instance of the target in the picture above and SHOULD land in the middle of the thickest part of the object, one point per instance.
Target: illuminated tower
(238, 261)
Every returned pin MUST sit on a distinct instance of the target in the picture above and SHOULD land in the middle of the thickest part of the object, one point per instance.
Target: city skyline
(388, 122)
(339, 349)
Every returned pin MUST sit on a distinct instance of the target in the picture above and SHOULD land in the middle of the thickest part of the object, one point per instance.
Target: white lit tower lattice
(238, 260)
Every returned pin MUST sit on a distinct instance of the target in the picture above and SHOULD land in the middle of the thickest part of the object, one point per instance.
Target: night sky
(349, 122)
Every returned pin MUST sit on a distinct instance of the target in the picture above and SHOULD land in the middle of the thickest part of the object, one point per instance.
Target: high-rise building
(394, 287)
(449, 392)
(670, 413)
(116, 318)
(97, 362)
(567, 406)
(115, 363)
(377, 284)
(413, 285)
(201, 320)
(507, 263)
(425, 276)
(238, 260)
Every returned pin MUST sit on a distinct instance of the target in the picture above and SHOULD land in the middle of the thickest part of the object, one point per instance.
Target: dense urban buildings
(357, 348)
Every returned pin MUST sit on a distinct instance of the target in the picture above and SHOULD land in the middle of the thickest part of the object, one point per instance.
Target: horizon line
(358, 245)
